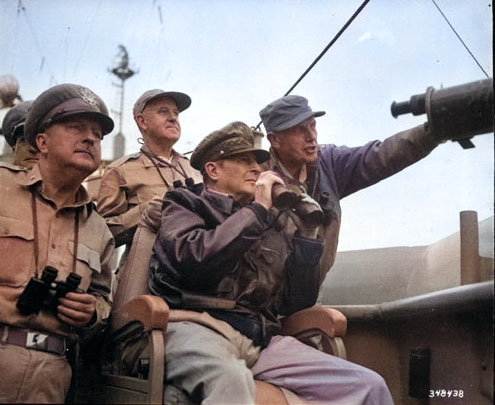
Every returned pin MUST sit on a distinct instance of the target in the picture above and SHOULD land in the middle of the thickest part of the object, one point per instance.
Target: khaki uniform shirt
(129, 183)
(54, 230)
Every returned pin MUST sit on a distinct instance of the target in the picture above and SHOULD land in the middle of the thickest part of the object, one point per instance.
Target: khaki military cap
(231, 140)
(183, 101)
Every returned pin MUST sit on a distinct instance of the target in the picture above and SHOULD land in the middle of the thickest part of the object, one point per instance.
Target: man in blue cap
(329, 173)
(57, 252)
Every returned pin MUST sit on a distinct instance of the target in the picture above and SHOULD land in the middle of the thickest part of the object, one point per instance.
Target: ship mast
(122, 70)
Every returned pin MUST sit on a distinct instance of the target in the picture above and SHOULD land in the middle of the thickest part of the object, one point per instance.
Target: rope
(337, 36)
(460, 39)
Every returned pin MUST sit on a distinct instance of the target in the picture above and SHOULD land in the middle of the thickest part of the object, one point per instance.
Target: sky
(232, 57)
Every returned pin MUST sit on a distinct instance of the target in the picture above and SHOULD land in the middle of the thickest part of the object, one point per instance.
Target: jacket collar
(222, 202)
(306, 177)
(34, 180)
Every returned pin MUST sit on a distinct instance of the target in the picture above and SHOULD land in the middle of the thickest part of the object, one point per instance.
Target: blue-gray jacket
(340, 171)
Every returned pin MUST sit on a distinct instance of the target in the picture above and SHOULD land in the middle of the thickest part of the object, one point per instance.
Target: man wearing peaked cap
(13, 123)
(51, 227)
(25, 154)
(231, 140)
(131, 183)
(63, 101)
(220, 255)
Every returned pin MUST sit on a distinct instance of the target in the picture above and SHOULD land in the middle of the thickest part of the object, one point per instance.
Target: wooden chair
(143, 318)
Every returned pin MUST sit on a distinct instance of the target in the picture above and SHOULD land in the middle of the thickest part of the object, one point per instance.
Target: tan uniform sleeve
(100, 288)
(113, 205)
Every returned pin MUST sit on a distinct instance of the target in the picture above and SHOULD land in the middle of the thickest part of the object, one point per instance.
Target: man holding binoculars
(232, 257)
(329, 173)
(57, 252)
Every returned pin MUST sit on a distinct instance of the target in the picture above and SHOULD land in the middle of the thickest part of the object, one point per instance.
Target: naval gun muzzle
(457, 113)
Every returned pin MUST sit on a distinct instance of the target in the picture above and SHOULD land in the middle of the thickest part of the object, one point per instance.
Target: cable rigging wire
(460, 39)
(335, 38)
(346, 25)
(88, 33)
(21, 10)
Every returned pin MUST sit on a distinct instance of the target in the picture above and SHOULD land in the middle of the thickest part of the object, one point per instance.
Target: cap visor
(105, 121)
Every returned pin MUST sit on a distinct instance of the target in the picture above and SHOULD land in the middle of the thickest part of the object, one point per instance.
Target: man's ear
(41, 142)
(273, 139)
(211, 169)
(140, 121)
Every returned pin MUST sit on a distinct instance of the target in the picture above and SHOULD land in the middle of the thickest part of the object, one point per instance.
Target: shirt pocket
(88, 263)
(148, 192)
(16, 251)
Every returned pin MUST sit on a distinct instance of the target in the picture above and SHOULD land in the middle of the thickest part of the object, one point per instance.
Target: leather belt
(43, 342)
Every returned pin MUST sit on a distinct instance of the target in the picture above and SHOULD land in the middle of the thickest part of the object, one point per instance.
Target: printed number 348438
(446, 393)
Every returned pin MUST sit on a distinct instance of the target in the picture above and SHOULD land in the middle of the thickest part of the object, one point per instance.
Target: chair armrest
(152, 311)
(320, 327)
(326, 320)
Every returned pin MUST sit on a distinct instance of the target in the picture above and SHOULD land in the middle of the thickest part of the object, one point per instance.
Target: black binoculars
(180, 184)
(44, 292)
(286, 199)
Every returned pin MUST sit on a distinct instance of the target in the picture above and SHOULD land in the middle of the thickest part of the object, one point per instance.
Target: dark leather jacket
(213, 254)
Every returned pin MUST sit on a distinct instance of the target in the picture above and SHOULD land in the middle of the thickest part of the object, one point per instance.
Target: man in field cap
(25, 154)
(328, 172)
(130, 183)
(182, 101)
(51, 227)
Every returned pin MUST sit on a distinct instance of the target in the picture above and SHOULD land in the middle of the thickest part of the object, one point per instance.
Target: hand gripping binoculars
(286, 199)
(44, 292)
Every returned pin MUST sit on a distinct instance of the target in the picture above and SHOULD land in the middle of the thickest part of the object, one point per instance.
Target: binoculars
(180, 184)
(44, 292)
(286, 199)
